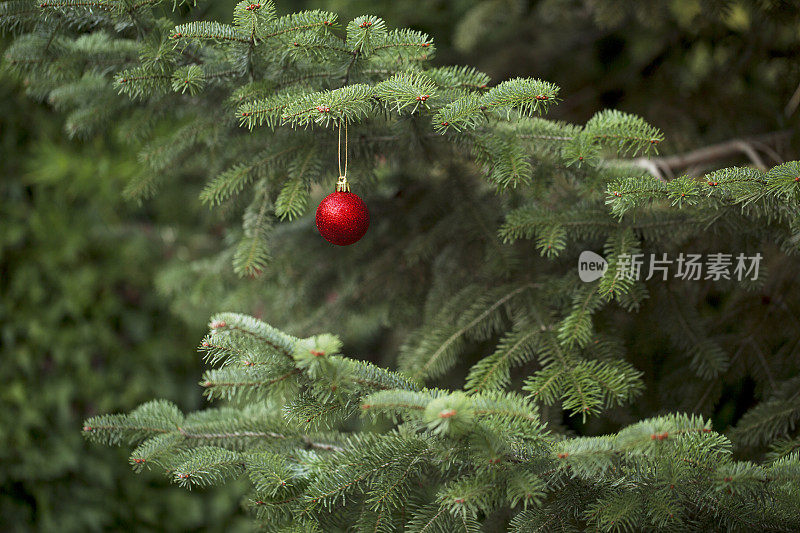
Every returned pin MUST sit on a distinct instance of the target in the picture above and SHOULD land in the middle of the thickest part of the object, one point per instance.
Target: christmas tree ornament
(342, 216)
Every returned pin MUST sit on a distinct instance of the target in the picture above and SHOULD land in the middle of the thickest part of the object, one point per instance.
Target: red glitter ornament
(342, 217)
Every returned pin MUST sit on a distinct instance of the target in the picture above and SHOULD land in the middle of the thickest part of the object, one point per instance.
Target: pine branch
(213, 31)
(481, 453)
(442, 350)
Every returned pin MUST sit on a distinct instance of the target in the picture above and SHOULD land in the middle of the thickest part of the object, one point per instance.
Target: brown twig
(667, 166)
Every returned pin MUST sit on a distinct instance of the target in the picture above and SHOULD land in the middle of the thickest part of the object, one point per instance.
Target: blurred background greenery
(92, 321)
(82, 332)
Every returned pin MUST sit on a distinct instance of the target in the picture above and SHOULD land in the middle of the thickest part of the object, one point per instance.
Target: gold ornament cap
(342, 184)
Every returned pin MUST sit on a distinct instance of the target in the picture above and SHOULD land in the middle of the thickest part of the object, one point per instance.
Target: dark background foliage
(83, 332)
(83, 329)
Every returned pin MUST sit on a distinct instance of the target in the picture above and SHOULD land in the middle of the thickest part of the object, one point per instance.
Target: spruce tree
(480, 208)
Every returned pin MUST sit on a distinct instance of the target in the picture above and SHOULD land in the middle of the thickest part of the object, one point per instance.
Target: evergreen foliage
(309, 73)
(482, 206)
(449, 459)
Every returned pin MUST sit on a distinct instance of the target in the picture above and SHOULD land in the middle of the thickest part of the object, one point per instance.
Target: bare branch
(704, 157)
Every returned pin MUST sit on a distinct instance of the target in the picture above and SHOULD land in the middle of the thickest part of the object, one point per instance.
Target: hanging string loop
(341, 184)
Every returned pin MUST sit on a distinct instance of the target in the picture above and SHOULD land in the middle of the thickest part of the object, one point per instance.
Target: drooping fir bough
(450, 460)
(479, 209)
